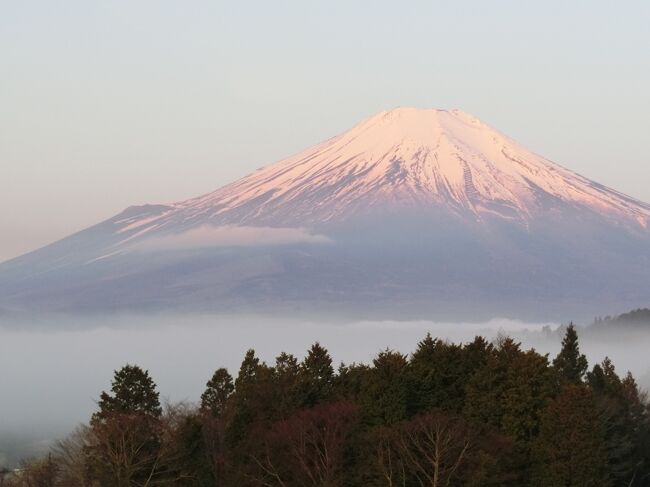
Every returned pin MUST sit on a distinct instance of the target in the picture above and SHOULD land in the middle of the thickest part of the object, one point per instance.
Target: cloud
(207, 236)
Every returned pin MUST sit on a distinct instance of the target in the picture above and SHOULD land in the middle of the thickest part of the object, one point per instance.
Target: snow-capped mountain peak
(412, 210)
(406, 157)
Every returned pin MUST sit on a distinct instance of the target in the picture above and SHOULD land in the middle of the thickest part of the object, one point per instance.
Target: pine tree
(132, 391)
(487, 388)
(385, 390)
(126, 431)
(316, 376)
(571, 449)
(218, 390)
(622, 411)
(248, 371)
(570, 364)
(438, 373)
(529, 383)
(245, 397)
(285, 385)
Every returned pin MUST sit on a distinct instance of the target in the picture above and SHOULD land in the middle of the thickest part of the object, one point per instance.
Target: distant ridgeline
(637, 318)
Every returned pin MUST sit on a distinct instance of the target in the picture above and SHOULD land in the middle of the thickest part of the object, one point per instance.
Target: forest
(478, 413)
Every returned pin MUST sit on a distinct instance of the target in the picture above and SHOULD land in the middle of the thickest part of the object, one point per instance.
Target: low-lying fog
(52, 370)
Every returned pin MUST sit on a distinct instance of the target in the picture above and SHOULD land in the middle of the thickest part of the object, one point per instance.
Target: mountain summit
(405, 158)
(411, 209)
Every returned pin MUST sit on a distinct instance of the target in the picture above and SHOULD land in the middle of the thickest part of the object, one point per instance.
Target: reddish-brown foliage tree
(308, 448)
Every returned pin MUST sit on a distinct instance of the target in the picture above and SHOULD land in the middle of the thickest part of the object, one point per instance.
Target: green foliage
(286, 376)
(438, 372)
(316, 376)
(528, 385)
(132, 392)
(488, 387)
(218, 390)
(249, 403)
(384, 391)
(350, 380)
(571, 448)
(622, 411)
(473, 414)
(570, 364)
(126, 431)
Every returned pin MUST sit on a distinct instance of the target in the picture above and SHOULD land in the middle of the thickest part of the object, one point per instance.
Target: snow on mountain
(405, 157)
(411, 212)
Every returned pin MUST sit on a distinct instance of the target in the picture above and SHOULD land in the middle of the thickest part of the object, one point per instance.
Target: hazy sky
(111, 103)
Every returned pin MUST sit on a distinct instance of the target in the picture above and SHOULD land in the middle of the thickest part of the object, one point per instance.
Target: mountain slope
(404, 157)
(410, 208)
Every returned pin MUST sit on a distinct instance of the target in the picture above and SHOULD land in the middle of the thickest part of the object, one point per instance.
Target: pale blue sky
(105, 104)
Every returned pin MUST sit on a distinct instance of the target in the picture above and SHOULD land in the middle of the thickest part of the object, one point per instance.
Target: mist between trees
(476, 413)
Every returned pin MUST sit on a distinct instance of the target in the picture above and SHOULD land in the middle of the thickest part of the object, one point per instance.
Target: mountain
(412, 212)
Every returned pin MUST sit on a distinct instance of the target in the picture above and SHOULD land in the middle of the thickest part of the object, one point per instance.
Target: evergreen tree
(316, 376)
(286, 366)
(195, 459)
(623, 416)
(529, 384)
(571, 450)
(252, 409)
(218, 390)
(438, 373)
(570, 364)
(638, 412)
(351, 380)
(487, 387)
(248, 371)
(285, 385)
(245, 397)
(476, 353)
(127, 433)
(132, 391)
(521, 422)
(422, 376)
(385, 390)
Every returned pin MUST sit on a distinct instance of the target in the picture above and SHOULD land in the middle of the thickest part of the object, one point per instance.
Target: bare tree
(69, 455)
(41, 472)
(125, 451)
(437, 450)
(434, 447)
(307, 449)
(390, 465)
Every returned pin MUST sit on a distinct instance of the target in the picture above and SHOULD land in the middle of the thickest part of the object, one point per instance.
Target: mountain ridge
(409, 157)
(417, 206)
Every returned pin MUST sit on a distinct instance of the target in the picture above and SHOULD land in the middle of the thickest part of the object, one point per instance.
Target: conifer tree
(316, 376)
(244, 398)
(438, 373)
(218, 390)
(422, 387)
(487, 388)
(385, 392)
(529, 383)
(132, 391)
(570, 364)
(251, 408)
(285, 385)
(571, 450)
(126, 431)
(248, 371)
(623, 415)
